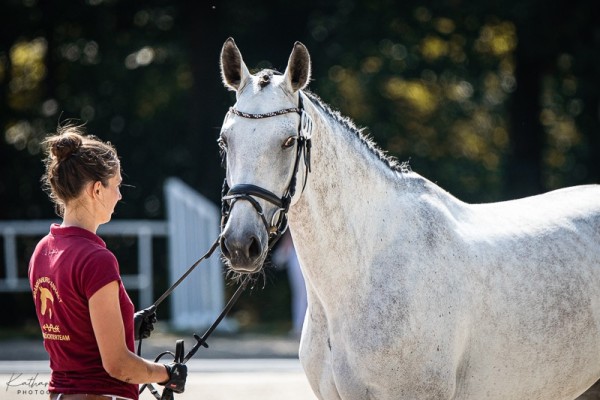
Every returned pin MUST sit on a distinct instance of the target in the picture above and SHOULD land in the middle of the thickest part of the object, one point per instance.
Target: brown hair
(73, 160)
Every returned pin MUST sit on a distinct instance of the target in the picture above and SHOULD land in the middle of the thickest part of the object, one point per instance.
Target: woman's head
(73, 162)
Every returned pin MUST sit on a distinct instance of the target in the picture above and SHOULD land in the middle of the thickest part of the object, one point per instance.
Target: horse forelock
(265, 77)
(391, 162)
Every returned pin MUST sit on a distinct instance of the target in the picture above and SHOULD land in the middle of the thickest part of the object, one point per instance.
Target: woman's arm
(118, 361)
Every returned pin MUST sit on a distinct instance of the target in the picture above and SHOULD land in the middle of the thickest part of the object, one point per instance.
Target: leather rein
(275, 229)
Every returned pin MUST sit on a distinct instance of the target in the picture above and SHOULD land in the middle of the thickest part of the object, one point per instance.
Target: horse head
(263, 137)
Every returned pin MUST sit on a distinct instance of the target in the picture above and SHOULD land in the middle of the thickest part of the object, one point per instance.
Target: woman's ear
(96, 188)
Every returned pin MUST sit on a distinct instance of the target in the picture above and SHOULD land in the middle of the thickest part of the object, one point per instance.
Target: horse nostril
(254, 248)
(224, 250)
(243, 248)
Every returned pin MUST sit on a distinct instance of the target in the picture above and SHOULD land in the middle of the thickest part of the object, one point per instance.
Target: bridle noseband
(275, 229)
(245, 191)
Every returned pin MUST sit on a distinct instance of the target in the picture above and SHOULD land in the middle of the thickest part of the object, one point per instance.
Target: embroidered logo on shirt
(48, 295)
(46, 298)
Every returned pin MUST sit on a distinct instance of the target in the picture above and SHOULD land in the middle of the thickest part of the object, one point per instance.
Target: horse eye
(289, 142)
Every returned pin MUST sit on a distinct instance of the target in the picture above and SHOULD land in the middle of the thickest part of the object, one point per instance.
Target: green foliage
(437, 84)
(431, 85)
(491, 100)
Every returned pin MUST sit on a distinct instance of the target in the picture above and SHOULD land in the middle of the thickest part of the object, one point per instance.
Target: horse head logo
(46, 295)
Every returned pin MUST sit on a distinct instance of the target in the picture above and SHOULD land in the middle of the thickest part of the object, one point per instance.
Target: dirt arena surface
(213, 379)
(249, 367)
(234, 367)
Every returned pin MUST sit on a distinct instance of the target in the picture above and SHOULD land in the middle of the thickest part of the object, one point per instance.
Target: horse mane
(265, 76)
(390, 161)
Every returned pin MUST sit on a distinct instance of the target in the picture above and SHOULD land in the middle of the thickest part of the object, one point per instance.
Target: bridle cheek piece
(245, 191)
(275, 229)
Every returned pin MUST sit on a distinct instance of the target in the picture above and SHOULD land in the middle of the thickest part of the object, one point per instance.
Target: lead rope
(178, 282)
(200, 341)
(303, 150)
(193, 266)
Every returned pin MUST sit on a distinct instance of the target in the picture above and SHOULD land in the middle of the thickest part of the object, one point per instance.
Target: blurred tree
(482, 97)
(555, 121)
(491, 100)
(115, 66)
(431, 83)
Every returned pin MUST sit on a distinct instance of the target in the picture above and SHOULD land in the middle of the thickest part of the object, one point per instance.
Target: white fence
(192, 226)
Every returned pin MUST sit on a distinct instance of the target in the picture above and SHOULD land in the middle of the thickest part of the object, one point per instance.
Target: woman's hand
(143, 322)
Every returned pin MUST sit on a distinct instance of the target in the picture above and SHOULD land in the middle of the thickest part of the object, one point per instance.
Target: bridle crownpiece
(244, 191)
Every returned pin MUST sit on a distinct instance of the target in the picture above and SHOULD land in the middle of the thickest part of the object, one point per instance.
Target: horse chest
(349, 369)
(376, 355)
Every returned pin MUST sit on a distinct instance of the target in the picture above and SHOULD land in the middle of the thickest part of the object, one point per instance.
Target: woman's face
(111, 194)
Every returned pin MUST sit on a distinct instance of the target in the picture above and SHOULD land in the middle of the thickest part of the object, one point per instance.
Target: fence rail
(143, 230)
(191, 227)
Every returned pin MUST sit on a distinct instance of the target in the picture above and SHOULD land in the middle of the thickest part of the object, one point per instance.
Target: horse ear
(233, 70)
(297, 72)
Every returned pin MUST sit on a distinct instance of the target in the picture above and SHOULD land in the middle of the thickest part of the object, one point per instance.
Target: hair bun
(65, 145)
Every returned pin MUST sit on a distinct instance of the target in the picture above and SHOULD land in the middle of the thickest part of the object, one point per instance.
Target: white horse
(413, 294)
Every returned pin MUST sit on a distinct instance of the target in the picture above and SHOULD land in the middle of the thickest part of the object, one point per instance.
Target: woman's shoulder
(99, 267)
(76, 234)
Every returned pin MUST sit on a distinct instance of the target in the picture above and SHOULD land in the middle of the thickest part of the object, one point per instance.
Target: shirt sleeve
(101, 269)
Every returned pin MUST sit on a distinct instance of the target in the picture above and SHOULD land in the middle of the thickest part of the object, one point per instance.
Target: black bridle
(245, 191)
(275, 229)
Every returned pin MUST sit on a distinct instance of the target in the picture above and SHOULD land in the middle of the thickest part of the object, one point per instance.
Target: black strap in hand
(177, 373)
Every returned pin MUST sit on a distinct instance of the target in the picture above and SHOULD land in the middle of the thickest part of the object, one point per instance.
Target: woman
(86, 316)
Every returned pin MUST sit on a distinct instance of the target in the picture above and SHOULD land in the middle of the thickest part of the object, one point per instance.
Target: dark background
(491, 100)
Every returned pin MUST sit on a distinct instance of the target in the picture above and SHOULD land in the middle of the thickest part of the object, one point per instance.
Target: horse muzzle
(244, 251)
(248, 236)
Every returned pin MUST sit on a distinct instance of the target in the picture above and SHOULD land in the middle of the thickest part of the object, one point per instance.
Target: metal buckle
(306, 125)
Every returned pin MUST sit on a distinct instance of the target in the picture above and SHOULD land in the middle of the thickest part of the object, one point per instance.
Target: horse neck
(340, 166)
(355, 204)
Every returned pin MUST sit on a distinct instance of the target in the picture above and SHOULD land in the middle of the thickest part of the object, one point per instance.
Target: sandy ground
(214, 379)
(249, 367)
